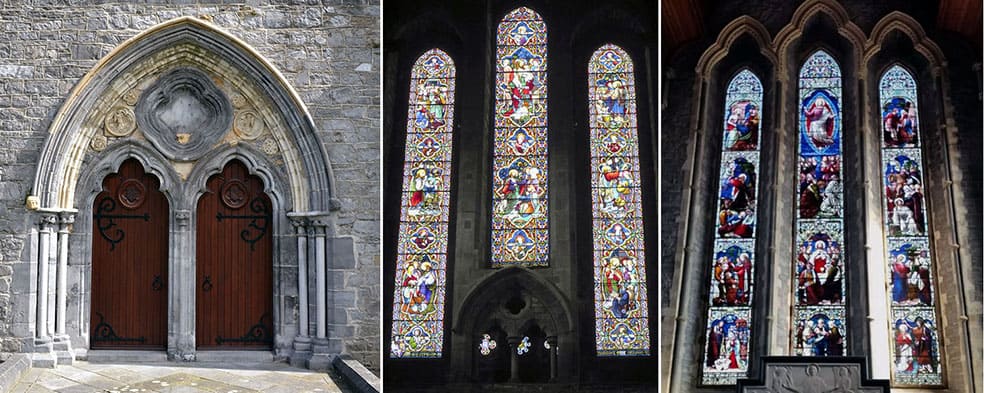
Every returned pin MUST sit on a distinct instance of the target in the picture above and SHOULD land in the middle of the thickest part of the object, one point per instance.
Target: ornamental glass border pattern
(520, 225)
(914, 333)
(418, 300)
(819, 282)
(728, 329)
(621, 303)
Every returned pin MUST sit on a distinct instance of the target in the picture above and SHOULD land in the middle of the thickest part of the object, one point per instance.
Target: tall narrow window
(818, 282)
(621, 303)
(729, 314)
(519, 170)
(418, 301)
(914, 331)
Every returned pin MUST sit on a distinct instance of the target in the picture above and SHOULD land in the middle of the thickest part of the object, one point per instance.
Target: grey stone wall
(327, 50)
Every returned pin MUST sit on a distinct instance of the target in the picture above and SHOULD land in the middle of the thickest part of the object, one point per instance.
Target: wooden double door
(234, 285)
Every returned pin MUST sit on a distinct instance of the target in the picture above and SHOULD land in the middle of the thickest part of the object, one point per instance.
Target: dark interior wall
(466, 31)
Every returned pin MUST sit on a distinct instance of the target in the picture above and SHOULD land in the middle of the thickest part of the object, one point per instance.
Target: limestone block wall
(328, 51)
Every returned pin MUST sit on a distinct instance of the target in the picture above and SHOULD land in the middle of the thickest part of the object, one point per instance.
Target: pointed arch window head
(913, 328)
(819, 282)
(729, 317)
(418, 301)
(520, 230)
(621, 304)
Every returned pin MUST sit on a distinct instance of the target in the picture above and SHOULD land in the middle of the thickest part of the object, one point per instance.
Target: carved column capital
(65, 220)
(299, 223)
(47, 219)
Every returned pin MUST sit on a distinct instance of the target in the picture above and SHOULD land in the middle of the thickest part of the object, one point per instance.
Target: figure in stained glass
(727, 344)
(737, 197)
(903, 193)
(819, 273)
(819, 270)
(741, 127)
(820, 331)
(820, 189)
(914, 333)
(732, 273)
(418, 314)
(898, 122)
(820, 118)
(911, 282)
(621, 321)
(732, 267)
(519, 190)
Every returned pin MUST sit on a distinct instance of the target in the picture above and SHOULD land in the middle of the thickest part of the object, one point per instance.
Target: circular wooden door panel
(129, 262)
(234, 263)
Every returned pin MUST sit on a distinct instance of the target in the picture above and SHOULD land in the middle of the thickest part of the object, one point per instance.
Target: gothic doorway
(234, 262)
(129, 261)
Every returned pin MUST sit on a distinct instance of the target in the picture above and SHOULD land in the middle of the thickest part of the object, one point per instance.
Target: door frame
(182, 197)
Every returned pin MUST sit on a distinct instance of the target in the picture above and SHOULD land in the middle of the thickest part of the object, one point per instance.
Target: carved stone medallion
(120, 122)
(131, 193)
(98, 142)
(184, 114)
(238, 101)
(131, 97)
(234, 194)
(248, 125)
(269, 147)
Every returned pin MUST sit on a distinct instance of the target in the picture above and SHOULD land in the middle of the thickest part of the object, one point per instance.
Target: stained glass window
(519, 171)
(819, 310)
(913, 327)
(726, 352)
(418, 301)
(621, 304)
(487, 345)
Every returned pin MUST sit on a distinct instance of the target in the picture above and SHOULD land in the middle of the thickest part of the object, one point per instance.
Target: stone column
(181, 289)
(43, 349)
(320, 359)
(63, 346)
(552, 342)
(514, 358)
(302, 343)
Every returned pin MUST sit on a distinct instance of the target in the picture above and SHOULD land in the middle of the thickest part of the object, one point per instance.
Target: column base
(302, 352)
(44, 353)
(63, 350)
(321, 356)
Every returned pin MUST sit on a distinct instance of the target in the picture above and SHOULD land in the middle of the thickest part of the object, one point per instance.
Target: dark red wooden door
(129, 262)
(235, 267)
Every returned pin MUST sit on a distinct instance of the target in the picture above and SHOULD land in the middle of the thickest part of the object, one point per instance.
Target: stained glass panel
(621, 303)
(819, 281)
(912, 293)
(519, 172)
(418, 301)
(732, 266)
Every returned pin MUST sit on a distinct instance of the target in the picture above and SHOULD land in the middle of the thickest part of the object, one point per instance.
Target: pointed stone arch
(267, 127)
(743, 25)
(544, 305)
(902, 22)
(806, 12)
(184, 40)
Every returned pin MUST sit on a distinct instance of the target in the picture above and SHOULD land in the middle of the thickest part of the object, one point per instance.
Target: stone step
(235, 356)
(125, 356)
